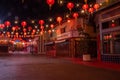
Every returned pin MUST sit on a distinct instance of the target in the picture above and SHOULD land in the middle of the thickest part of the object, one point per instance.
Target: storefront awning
(60, 41)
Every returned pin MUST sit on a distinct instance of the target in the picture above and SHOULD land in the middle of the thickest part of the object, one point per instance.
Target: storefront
(50, 49)
(62, 48)
(4, 45)
(70, 44)
(108, 23)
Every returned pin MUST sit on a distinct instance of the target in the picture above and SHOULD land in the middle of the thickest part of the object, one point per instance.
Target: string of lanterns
(25, 28)
(50, 3)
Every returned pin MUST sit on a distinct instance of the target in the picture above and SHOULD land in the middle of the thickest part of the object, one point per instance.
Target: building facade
(66, 41)
(108, 37)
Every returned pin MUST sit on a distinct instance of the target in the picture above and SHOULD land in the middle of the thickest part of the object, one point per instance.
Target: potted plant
(85, 47)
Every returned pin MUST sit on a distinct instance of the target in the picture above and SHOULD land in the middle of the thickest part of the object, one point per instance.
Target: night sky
(32, 9)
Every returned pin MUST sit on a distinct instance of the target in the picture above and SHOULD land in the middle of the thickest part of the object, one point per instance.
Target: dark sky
(31, 9)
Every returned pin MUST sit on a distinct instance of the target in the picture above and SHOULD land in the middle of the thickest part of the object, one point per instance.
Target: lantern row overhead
(59, 19)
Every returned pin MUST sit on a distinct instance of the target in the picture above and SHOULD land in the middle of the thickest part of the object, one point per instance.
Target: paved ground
(46, 68)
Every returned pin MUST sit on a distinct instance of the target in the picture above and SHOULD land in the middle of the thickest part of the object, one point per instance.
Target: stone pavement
(46, 68)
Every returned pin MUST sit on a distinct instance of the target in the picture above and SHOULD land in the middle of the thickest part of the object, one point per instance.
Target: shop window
(106, 43)
(111, 43)
(105, 25)
(117, 43)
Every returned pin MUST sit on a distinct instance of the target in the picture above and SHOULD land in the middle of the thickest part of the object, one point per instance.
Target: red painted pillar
(98, 48)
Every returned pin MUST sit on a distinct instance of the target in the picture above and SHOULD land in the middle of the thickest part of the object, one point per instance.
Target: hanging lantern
(24, 23)
(34, 31)
(59, 19)
(70, 5)
(8, 33)
(42, 27)
(52, 26)
(7, 23)
(49, 31)
(85, 7)
(41, 22)
(50, 3)
(96, 6)
(2, 26)
(41, 33)
(68, 20)
(75, 15)
(16, 27)
(29, 28)
(17, 33)
(113, 24)
(2, 35)
(25, 34)
(24, 30)
(91, 10)
(13, 28)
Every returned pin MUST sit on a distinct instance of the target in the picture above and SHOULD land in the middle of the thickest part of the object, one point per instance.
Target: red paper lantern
(41, 32)
(8, 33)
(29, 28)
(41, 22)
(25, 34)
(91, 10)
(68, 20)
(49, 31)
(113, 24)
(75, 15)
(16, 27)
(42, 27)
(50, 3)
(59, 19)
(24, 30)
(96, 6)
(24, 23)
(13, 28)
(2, 26)
(70, 5)
(52, 26)
(34, 31)
(17, 33)
(7, 23)
(85, 7)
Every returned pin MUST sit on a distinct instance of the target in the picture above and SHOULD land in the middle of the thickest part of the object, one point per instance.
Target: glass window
(105, 25)
(111, 43)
